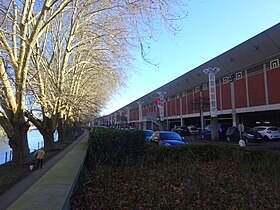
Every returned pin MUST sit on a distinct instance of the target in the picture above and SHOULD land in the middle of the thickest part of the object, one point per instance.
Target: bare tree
(22, 23)
(76, 60)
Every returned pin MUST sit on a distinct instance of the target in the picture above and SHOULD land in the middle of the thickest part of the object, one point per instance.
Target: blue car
(148, 134)
(222, 129)
(167, 138)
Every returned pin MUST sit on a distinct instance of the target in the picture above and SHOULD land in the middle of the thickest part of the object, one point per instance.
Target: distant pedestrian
(40, 154)
(155, 137)
(76, 135)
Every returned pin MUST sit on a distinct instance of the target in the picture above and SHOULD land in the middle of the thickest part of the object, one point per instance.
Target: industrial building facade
(247, 91)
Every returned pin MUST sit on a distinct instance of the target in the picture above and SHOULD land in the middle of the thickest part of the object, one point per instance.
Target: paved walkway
(58, 169)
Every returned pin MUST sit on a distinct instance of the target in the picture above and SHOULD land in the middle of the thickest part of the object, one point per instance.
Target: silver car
(268, 132)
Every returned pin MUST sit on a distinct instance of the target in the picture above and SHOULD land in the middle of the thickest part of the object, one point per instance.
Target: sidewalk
(55, 170)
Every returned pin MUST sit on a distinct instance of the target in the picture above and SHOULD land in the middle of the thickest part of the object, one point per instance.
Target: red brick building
(247, 90)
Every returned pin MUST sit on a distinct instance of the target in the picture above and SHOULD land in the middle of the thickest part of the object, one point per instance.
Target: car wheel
(246, 140)
(228, 138)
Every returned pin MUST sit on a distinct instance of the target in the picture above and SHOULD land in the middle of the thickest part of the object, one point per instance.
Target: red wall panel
(165, 104)
(217, 98)
(144, 111)
(168, 108)
(256, 90)
(226, 100)
(132, 115)
(172, 108)
(273, 86)
(240, 93)
(177, 106)
(205, 100)
(184, 107)
(190, 106)
(196, 102)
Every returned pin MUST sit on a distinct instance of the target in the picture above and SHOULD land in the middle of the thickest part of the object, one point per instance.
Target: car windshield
(170, 136)
(273, 129)
(259, 129)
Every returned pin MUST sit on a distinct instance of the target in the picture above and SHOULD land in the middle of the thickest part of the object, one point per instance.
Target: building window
(204, 87)
(274, 63)
(238, 75)
(225, 80)
(197, 89)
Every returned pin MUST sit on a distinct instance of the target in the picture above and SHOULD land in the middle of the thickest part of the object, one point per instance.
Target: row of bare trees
(61, 60)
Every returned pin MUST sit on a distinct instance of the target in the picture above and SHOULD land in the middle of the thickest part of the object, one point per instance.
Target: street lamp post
(212, 71)
(128, 116)
(140, 113)
(161, 107)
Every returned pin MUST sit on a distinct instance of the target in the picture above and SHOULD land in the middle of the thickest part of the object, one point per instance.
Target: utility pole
(212, 71)
(161, 107)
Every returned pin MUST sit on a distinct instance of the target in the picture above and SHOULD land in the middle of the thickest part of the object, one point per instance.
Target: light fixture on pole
(212, 71)
(161, 107)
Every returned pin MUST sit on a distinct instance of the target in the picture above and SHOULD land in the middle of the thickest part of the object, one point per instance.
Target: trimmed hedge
(114, 147)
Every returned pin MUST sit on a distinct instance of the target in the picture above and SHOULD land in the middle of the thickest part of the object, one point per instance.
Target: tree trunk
(62, 133)
(65, 132)
(48, 135)
(19, 143)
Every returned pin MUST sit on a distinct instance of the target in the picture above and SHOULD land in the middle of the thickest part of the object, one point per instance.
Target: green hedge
(248, 159)
(114, 147)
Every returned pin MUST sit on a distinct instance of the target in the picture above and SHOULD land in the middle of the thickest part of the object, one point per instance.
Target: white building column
(140, 113)
(233, 110)
(128, 116)
(181, 109)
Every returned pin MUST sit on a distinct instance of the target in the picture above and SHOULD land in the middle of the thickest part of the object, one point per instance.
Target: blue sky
(211, 28)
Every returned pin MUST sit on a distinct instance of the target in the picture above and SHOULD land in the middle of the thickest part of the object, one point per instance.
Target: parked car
(222, 129)
(148, 134)
(182, 130)
(193, 130)
(167, 138)
(187, 130)
(249, 135)
(268, 132)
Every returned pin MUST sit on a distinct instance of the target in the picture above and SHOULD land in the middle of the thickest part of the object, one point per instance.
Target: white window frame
(204, 87)
(274, 63)
(225, 80)
(238, 75)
